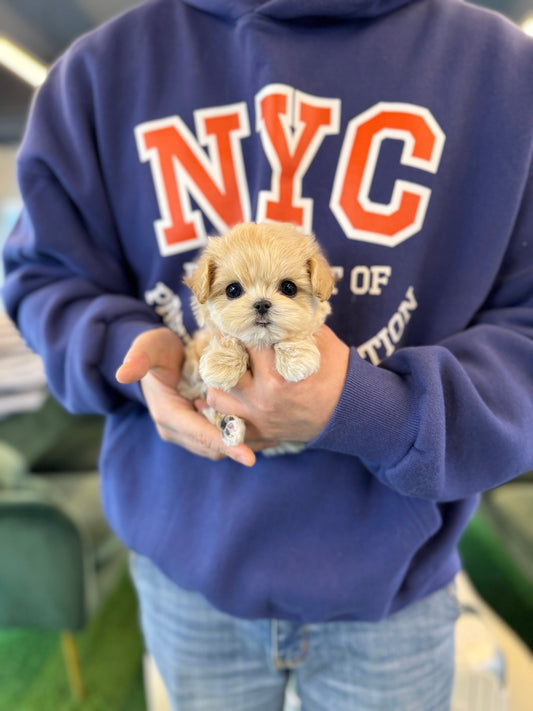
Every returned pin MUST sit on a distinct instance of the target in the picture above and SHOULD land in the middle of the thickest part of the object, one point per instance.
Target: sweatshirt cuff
(373, 419)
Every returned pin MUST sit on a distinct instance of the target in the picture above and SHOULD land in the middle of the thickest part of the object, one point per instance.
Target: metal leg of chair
(72, 662)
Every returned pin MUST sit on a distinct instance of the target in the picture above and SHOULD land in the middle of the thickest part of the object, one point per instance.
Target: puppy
(261, 285)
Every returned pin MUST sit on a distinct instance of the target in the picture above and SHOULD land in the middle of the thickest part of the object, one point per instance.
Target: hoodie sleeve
(449, 420)
(68, 287)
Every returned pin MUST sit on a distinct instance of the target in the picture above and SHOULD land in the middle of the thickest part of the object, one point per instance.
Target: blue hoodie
(401, 134)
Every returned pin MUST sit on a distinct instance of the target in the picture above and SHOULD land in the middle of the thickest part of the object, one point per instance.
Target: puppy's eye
(234, 290)
(288, 288)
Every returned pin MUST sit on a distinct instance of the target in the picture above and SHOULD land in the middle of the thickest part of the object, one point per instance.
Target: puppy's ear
(201, 279)
(322, 279)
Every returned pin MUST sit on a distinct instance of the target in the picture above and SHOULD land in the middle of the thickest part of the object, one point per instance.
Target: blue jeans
(211, 661)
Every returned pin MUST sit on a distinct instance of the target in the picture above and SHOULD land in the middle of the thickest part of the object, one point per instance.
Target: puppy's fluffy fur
(259, 285)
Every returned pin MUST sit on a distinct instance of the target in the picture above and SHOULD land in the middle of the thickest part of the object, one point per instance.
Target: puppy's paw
(232, 427)
(223, 363)
(296, 360)
(233, 430)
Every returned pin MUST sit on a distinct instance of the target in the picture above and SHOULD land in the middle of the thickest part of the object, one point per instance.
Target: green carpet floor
(33, 675)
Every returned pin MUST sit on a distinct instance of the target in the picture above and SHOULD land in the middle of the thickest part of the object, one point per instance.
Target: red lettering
(292, 127)
(181, 169)
(403, 216)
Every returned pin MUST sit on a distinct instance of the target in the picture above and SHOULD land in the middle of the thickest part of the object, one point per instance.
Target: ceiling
(46, 27)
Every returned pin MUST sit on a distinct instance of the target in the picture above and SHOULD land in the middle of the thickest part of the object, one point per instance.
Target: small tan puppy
(259, 285)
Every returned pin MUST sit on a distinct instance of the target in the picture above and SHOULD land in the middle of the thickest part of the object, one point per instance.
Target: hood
(300, 9)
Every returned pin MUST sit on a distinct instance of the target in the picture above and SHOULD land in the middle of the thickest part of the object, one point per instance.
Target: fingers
(201, 437)
(255, 441)
(204, 439)
(155, 359)
(179, 423)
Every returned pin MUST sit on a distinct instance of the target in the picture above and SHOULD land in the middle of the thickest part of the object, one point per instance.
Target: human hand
(276, 410)
(155, 358)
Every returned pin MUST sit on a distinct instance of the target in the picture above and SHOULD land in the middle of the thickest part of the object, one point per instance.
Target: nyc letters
(209, 167)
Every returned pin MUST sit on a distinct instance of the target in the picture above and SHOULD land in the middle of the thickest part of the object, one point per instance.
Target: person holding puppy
(400, 134)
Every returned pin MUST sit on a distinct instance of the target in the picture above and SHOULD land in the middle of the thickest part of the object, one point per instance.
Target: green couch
(497, 553)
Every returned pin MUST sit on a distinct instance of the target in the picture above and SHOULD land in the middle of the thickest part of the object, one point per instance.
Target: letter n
(181, 169)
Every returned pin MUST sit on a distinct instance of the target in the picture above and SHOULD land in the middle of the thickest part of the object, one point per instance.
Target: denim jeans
(211, 661)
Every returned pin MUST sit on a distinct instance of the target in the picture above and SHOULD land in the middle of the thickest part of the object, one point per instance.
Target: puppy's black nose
(262, 306)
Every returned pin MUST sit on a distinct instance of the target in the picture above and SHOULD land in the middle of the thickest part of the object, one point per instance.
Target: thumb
(158, 348)
(135, 366)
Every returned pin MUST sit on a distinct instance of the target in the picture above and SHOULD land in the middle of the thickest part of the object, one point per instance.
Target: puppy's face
(262, 284)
